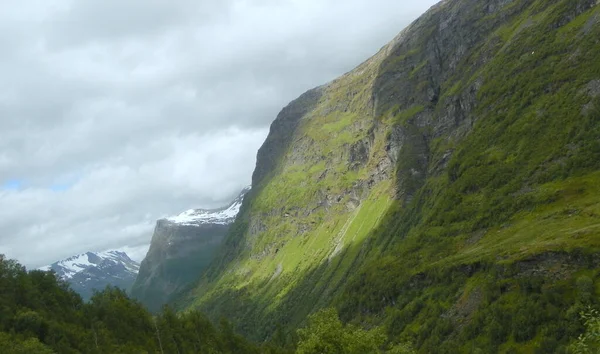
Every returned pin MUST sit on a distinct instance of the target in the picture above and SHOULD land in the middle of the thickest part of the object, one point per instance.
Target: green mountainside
(446, 191)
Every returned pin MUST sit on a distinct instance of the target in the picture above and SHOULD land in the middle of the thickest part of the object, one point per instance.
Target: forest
(40, 314)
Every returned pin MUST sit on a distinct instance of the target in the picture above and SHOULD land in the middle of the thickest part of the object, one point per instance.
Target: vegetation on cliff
(445, 191)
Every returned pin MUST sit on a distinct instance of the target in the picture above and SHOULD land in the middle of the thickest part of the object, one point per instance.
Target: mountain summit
(95, 270)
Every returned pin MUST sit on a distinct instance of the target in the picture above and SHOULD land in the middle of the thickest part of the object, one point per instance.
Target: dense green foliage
(588, 342)
(40, 314)
(325, 334)
(498, 252)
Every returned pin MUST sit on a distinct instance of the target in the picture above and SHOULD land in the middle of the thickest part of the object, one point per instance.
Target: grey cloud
(80, 22)
(115, 113)
(116, 203)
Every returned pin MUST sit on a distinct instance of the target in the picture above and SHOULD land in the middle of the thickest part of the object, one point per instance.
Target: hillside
(447, 189)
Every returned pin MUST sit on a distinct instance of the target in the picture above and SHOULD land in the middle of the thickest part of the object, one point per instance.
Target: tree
(40, 314)
(588, 342)
(325, 334)
(14, 345)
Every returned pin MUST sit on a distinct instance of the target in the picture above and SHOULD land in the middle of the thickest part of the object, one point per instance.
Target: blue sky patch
(12, 185)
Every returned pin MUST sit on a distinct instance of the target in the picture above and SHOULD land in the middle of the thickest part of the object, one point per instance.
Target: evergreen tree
(40, 314)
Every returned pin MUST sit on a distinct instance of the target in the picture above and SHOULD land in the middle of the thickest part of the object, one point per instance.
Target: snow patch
(71, 266)
(196, 217)
(75, 264)
(201, 216)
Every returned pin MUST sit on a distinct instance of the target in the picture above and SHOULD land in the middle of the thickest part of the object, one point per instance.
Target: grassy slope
(488, 250)
(300, 232)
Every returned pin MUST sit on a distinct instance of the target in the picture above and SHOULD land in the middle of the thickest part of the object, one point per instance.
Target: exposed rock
(553, 265)
(593, 88)
(281, 134)
(461, 312)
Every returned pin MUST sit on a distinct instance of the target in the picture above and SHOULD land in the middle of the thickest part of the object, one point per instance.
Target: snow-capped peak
(202, 216)
(75, 264)
(222, 216)
(71, 266)
(92, 271)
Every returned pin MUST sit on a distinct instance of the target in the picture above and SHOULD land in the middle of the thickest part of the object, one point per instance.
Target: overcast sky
(116, 113)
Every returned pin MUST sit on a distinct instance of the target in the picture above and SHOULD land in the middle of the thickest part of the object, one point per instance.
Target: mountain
(446, 190)
(95, 270)
(182, 246)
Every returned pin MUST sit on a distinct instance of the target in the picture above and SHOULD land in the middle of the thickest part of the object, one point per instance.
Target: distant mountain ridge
(91, 271)
(181, 248)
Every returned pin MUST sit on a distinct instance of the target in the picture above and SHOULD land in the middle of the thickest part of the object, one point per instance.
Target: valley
(441, 197)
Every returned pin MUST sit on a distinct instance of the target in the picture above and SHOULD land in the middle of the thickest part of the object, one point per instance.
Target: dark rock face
(281, 134)
(94, 271)
(178, 253)
(181, 248)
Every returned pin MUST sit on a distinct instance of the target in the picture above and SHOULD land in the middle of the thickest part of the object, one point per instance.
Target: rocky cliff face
(464, 149)
(96, 270)
(182, 246)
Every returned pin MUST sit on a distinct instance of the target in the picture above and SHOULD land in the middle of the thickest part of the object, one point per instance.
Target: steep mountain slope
(446, 189)
(95, 270)
(182, 246)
